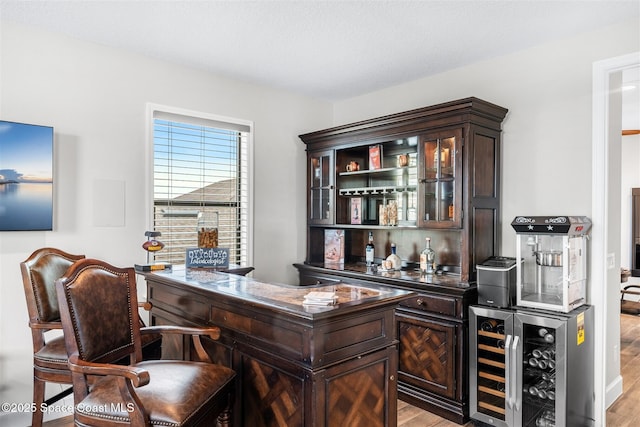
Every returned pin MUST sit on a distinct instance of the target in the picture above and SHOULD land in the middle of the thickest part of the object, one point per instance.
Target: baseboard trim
(613, 391)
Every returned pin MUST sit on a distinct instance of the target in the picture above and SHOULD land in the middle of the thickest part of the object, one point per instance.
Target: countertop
(284, 297)
(409, 279)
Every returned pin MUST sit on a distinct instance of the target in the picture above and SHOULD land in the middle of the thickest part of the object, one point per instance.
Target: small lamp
(152, 244)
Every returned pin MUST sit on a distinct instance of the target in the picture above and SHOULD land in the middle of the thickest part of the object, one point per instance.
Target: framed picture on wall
(26, 177)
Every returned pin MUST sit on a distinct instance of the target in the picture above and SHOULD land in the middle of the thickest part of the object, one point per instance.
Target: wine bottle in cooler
(489, 325)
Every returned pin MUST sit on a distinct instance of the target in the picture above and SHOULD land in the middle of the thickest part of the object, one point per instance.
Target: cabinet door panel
(427, 354)
(355, 391)
(320, 178)
(440, 178)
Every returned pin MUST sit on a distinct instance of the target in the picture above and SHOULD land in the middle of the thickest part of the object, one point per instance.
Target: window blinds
(200, 172)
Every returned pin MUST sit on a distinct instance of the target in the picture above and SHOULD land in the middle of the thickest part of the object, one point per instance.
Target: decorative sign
(375, 157)
(334, 246)
(207, 257)
(356, 210)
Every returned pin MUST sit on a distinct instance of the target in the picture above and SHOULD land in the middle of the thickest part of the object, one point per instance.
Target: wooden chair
(101, 325)
(630, 306)
(39, 273)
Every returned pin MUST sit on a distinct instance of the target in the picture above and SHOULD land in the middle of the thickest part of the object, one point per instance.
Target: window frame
(151, 110)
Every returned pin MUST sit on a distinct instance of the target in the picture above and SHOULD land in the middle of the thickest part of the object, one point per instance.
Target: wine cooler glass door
(540, 386)
(491, 363)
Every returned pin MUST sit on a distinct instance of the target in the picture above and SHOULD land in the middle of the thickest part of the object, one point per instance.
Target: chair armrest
(626, 290)
(137, 376)
(45, 325)
(212, 332)
(146, 305)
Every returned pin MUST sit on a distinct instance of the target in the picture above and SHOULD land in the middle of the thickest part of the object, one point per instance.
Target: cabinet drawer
(432, 303)
(179, 303)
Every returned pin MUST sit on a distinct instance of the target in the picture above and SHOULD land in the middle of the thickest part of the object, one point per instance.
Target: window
(201, 178)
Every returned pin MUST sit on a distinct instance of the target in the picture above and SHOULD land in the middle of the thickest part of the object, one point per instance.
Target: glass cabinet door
(440, 179)
(321, 176)
(542, 384)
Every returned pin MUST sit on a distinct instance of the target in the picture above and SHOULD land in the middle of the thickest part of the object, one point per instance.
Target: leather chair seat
(53, 355)
(630, 307)
(179, 389)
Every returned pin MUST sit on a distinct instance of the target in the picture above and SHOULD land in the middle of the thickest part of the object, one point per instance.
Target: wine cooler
(531, 368)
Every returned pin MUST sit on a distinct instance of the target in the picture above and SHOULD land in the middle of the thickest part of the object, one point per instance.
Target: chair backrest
(39, 273)
(98, 305)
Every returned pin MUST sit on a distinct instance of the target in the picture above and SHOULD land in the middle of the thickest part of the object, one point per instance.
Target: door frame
(602, 261)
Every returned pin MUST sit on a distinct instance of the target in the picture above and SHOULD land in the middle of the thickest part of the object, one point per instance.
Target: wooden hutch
(430, 172)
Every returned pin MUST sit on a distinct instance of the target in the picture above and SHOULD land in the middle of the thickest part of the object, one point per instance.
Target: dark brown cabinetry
(448, 189)
(439, 173)
(297, 366)
(432, 330)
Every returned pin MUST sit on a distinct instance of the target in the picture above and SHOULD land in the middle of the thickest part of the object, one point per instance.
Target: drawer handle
(420, 301)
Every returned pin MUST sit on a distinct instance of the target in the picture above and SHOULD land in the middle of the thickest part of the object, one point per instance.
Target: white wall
(547, 164)
(95, 97)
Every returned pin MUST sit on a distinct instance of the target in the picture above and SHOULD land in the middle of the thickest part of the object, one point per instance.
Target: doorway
(605, 241)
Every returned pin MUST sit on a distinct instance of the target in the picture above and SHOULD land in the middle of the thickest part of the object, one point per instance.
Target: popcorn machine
(553, 272)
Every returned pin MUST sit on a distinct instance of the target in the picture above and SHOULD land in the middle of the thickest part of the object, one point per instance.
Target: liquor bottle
(396, 262)
(369, 250)
(428, 259)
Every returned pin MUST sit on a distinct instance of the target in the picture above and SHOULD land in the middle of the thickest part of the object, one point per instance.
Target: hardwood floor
(621, 414)
(410, 416)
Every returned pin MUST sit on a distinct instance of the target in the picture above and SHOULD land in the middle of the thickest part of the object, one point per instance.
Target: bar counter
(297, 365)
(432, 330)
(446, 282)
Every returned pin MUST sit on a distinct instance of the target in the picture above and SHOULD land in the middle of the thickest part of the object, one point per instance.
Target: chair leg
(224, 419)
(38, 399)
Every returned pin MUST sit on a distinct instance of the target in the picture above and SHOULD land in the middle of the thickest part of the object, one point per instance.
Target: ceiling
(321, 48)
